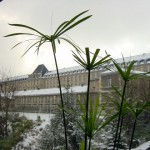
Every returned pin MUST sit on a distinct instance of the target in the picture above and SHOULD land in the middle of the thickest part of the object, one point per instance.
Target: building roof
(16, 78)
(144, 56)
(51, 91)
(65, 71)
(112, 71)
(70, 70)
(41, 69)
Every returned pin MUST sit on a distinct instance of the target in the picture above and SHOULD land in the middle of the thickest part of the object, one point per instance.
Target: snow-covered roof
(16, 78)
(115, 71)
(144, 56)
(51, 91)
(65, 71)
(22, 77)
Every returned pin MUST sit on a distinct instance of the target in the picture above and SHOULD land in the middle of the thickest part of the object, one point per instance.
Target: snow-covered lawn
(30, 139)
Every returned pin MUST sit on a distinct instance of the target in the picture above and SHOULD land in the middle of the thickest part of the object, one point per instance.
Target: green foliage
(18, 128)
(97, 120)
(136, 108)
(88, 63)
(82, 146)
(126, 75)
(91, 121)
(53, 135)
(126, 72)
(39, 119)
(43, 38)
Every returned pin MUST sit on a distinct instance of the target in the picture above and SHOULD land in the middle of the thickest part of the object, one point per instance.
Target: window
(109, 83)
(148, 61)
(142, 62)
(75, 78)
(93, 75)
(80, 79)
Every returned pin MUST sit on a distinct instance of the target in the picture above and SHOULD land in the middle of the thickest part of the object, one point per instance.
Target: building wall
(43, 103)
(73, 77)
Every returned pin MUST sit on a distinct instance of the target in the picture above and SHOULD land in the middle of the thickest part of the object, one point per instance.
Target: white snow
(144, 146)
(30, 139)
(64, 70)
(144, 56)
(115, 71)
(51, 91)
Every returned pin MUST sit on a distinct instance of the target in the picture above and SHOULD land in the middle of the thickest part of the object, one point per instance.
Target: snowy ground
(144, 146)
(30, 139)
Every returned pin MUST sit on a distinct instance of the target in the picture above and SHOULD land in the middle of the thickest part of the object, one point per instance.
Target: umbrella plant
(136, 110)
(127, 75)
(85, 60)
(41, 38)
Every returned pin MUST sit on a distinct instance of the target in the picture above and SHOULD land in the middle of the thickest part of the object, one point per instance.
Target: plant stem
(89, 143)
(61, 97)
(132, 134)
(120, 132)
(120, 112)
(87, 108)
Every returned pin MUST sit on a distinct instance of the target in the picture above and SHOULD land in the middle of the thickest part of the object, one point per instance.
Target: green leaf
(79, 60)
(64, 29)
(87, 59)
(28, 27)
(14, 34)
(41, 42)
(121, 72)
(21, 43)
(30, 48)
(77, 48)
(95, 56)
(75, 24)
(82, 146)
(129, 68)
(61, 25)
(102, 61)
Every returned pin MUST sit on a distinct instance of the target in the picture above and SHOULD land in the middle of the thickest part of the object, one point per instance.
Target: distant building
(39, 90)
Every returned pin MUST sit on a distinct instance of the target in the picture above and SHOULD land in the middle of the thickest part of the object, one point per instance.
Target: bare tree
(7, 90)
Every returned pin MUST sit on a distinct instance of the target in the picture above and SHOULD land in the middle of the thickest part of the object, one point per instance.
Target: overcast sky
(117, 26)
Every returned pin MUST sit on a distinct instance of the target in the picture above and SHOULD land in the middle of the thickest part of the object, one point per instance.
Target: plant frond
(28, 27)
(59, 27)
(29, 48)
(21, 43)
(64, 28)
(95, 56)
(73, 25)
(41, 42)
(14, 34)
(120, 71)
(129, 68)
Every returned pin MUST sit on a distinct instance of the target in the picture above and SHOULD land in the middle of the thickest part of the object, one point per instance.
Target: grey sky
(117, 26)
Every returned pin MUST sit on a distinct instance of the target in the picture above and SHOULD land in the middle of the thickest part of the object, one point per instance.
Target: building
(39, 91)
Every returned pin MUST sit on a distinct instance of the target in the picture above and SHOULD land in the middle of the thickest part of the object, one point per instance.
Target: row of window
(38, 100)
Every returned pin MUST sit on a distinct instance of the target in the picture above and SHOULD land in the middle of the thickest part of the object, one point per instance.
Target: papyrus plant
(97, 119)
(136, 108)
(85, 60)
(127, 74)
(41, 38)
